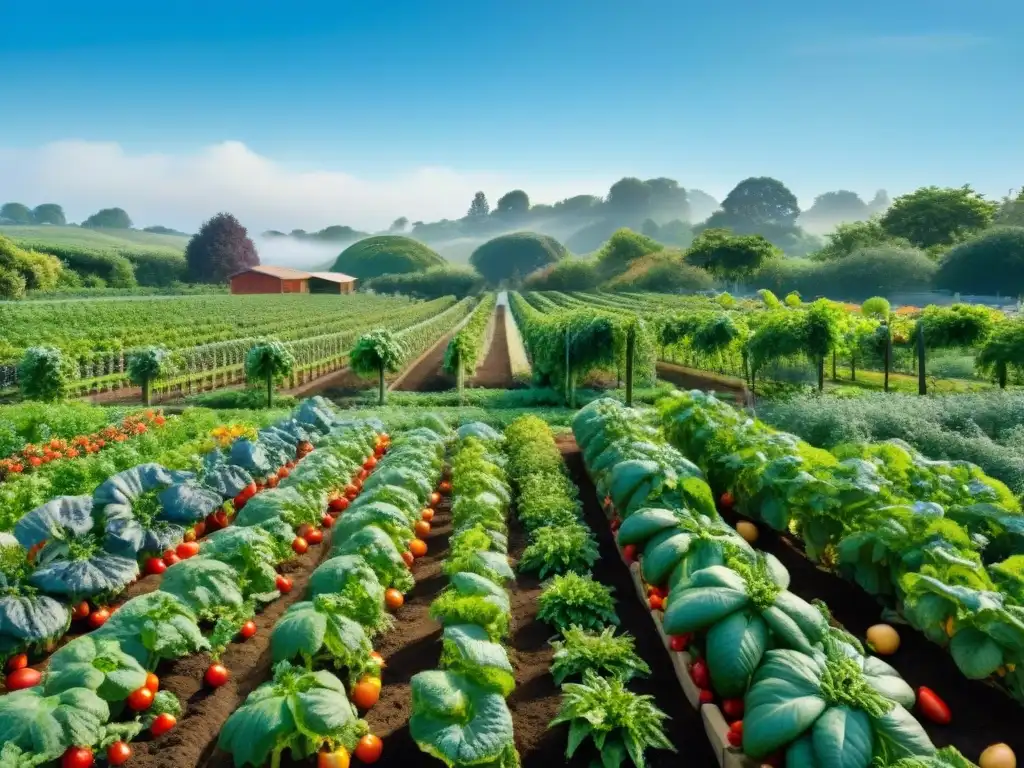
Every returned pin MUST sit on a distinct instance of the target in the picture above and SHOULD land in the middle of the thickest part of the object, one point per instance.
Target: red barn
(267, 279)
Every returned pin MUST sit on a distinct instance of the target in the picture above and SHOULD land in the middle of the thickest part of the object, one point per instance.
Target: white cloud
(182, 190)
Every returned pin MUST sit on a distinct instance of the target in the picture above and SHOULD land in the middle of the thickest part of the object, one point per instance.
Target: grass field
(125, 239)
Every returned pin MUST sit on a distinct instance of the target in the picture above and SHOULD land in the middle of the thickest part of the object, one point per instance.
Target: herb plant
(603, 652)
(571, 599)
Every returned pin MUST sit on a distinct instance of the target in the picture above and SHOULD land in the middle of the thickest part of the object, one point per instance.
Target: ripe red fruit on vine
(216, 675)
(315, 536)
(81, 611)
(726, 500)
(17, 662)
(699, 673)
(326, 521)
(152, 682)
(187, 549)
(283, 584)
(141, 699)
(732, 708)
(735, 734)
(163, 723)
(655, 602)
(23, 678)
(99, 617)
(300, 546)
(118, 753)
(171, 558)
(248, 630)
(706, 696)
(77, 757)
(678, 643)
(629, 552)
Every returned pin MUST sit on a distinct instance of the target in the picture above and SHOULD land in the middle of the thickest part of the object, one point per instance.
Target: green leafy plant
(571, 599)
(467, 648)
(42, 727)
(460, 722)
(320, 631)
(147, 365)
(622, 725)
(603, 652)
(154, 627)
(377, 353)
(43, 374)
(299, 711)
(97, 664)
(266, 361)
(557, 549)
(473, 599)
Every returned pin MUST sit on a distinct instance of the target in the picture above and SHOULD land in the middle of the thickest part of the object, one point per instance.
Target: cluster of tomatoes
(32, 456)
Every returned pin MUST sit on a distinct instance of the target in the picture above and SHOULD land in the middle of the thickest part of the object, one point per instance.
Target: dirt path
(691, 378)
(496, 370)
(685, 729)
(425, 375)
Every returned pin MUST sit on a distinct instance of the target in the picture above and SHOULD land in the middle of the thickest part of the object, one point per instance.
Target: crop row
(591, 663)
(99, 691)
(467, 348)
(794, 685)
(940, 542)
(373, 543)
(459, 714)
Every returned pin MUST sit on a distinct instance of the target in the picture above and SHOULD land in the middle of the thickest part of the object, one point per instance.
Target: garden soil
(496, 370)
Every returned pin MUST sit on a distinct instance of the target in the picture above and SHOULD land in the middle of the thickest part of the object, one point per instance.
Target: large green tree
(479, 208)
(15, 213)
(49, 213)
(377, 353)
(629, 197)
(623, 248)
(757, 204)
(146, 366)
(513, 204)
(728, 256)
(219, 249)
(832, 208)
(938, 216)
(109, 218)
(848, 238)
(266, 361)
(991, 263)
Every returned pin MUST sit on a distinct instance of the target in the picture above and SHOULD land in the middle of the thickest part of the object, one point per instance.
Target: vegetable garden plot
(730, 604)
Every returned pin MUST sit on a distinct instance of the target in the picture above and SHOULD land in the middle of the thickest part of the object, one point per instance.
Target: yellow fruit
(998, 756)
(883, 639)
(747, 530)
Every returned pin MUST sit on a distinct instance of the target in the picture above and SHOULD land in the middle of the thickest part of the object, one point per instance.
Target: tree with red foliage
(220, 249)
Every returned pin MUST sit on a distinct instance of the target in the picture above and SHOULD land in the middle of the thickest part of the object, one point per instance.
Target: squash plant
(299, 711)
(154, 627)
(41, 727)
(28, 620)
(319, 631)
(473, 599)
(745, 609)
(95, 663)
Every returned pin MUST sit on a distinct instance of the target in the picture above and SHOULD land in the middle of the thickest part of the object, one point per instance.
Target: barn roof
(334, 277)
(285, 273)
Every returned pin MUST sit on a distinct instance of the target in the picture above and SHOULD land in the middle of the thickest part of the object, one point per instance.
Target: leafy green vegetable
(210, 588)
(97, 664)
(460, 722)
(603, 652)
(558, 549)
(299, 711)
(571, 599)
(45, 726)
(317, 631)
(467, 648)
(154, 627)
(472, 599)
(380, 552)
(622, 724)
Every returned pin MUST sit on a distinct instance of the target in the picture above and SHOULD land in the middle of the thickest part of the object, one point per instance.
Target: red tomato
(932, 707)
(315, 536)
(220, 517)
(732, 708)
(272, 481)
(299, 545)
(118, 753)
(283, 472)
(171, 558)
(163, 723)
(351, 491)
(155, 566)
(98, 618)
(152, 682)
(726, 500)
(216, 675)
(326, 521)
(17, 662)
(735, 734)
(248, 629)
(283, 584)
(655, 602)
(187, 549)
(303, 531)
(339, 504)
(679, 643)
(706, 696)
(369, 749)
(629, 552)
(81, 611)
(337, 759)
(199, 528)
(77, 757)
(141, 699)
(699, 674)
(23, 678)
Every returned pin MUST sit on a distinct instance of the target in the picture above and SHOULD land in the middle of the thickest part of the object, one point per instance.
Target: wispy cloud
(920, 44)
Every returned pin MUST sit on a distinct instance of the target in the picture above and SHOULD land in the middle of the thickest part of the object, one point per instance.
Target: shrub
(386, 255)
(109, 218)
(565, 275)
(220, 249)
(40, 271)
(43, 374)
(990, 263)
(432, 284)
(623, 248)
(12, 284)
(662, 272)
(511, 257)
(266, 361)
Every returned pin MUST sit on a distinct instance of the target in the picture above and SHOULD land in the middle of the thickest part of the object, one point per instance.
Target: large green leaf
(153, 627)
(46, 726)
(887, 681)
(468, 648)
(333, 576)
(311, 630)
(645, 523)
(458, 721)
(782, 703)
(898, 734)
(695, 609)
(662, 553)
(208, 587)
(842, 737)
(976, 654)
(97, 664)
(735, 646)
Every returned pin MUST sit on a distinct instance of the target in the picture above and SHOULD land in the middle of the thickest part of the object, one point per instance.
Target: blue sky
(544, 95)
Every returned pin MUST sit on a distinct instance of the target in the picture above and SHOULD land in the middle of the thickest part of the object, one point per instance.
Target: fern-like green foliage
(571, 599)
(556, 549)
(375, 351)
(43, 374)
(268, 358)
(622, 724)
(603, 652)
(149, 364)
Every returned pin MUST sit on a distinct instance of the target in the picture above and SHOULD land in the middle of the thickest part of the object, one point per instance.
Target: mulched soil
(685, 729)
(982, 714)
(496, 370)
